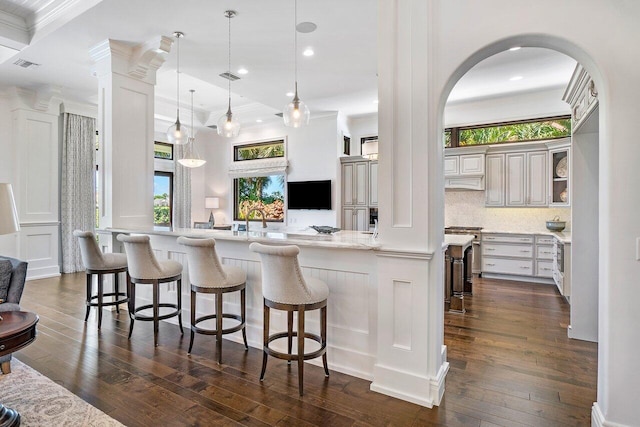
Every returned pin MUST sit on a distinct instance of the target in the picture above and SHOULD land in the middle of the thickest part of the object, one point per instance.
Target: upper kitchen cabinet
(581, 94)
(373, 183)
(355, 182)
(559, 168)
(465, 171)
(494, 192)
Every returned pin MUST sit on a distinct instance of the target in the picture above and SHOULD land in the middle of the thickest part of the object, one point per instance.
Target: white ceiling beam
(13, 31)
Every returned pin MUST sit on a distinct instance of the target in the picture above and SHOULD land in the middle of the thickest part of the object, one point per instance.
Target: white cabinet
(559, 173)
(526, 179)
(373, 184)
(355, 219)
(518, 256)
(464, 171)
(355, 183)
(494, 178)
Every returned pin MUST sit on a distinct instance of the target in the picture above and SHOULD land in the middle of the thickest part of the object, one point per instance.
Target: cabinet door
(516, 164)
(361, 219)
(348, 196)
(361, 183)
(373, 184)
(494, 179)
(347, 218)
(472, 164)
(451, 165)
(537, 179)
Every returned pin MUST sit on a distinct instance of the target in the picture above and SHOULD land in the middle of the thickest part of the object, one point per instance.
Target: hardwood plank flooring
(511, 364)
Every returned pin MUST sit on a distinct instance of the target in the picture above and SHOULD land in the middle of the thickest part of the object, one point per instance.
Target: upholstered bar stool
(207, 275)
(144, 268)
(284, 288)
(99, 264)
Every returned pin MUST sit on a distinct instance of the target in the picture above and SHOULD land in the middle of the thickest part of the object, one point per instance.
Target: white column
(411, 357)
(126, 79)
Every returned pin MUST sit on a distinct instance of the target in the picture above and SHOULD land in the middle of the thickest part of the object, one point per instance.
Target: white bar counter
(346, 261)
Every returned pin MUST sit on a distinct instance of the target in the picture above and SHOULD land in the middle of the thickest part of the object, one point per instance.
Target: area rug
(41, 402)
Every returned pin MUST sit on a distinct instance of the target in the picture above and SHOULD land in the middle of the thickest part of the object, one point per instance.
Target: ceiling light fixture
(191, 157)
(289, 94)
(228, 126)
(308, 52)
(513, 49)
(242, 71)
(178, 133)
(515, 78)
(296, 113)
(258, 120)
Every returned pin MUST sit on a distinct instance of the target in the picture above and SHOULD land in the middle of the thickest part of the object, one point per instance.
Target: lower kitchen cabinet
(355, 219)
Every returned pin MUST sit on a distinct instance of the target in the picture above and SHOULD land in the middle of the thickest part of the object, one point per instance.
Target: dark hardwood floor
(511, 365)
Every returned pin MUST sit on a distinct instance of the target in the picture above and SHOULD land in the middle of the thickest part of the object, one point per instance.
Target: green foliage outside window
(161, 210)
(261, 192)
(263, 150)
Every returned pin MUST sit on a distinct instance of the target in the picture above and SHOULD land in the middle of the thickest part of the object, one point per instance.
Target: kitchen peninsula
(345, 260)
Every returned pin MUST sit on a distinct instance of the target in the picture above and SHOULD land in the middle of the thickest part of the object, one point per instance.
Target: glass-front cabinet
(560, 174)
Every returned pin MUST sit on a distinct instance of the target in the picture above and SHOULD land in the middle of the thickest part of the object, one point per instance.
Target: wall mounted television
(309, 195)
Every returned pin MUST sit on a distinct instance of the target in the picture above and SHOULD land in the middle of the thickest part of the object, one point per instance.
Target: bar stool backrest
(205, 268)
(282, 279)
(140, 257)
(92, 257)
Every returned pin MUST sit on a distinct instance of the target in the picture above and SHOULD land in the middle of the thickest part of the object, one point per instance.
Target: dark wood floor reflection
(511, 365)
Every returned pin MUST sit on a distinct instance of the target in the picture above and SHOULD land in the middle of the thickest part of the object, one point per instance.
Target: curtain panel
(77, 193)
(182, 190)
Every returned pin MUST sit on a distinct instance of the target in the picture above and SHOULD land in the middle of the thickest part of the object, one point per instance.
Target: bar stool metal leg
(289, 334)
(219, 318)
(265, 340)
(300, 334)
(100, 296)
(116, 287)
(131, 289)
(243, 314)
(89, 289)
(179, 290)
(193, 318)
(323, 337)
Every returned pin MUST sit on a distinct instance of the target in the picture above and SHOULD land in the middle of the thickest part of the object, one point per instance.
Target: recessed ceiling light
(513, 49)
(515, 78)
(306, 27)
(308, 52)
(242, 71)
(259, 120)
(375, 101)
(290, 94)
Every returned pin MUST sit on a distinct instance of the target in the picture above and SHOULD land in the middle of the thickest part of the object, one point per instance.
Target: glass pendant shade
(191, 157)
(296, 113)
(228, 126)
(178, 133)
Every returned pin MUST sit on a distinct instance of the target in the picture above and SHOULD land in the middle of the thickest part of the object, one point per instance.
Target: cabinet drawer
(544, 240)
(520, 267)
(508, 238)
(498, 249)
(544, 268)
(544, 252)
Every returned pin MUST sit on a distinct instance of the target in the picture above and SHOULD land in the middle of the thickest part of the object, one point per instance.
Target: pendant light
(296, 113)
(191, 157)
(227, 125)
(178, 133)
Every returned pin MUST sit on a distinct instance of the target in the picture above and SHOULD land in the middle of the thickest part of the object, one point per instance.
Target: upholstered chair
(144, 268)
(98, 264)
(285, 288)
(14, 272)
(207, 275)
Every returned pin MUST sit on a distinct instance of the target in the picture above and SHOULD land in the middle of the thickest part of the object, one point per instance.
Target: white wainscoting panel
(402, 297)
(39, 246)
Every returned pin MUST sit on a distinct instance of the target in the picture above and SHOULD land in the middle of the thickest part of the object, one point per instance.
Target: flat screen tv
(309, 195)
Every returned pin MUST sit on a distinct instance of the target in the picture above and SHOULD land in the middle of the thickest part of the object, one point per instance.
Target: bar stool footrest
(290, 357)
(90, 303)
(136, 316)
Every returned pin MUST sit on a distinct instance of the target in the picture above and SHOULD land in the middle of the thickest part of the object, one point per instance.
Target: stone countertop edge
(563, 236)
(457, 240)
(344, 239)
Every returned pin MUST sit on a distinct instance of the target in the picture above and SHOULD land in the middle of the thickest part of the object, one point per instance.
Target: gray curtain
(77, 192)
(181, 191)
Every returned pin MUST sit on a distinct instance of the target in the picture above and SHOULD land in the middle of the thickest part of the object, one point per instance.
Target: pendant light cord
(229, 63)
(178, 78)
(295, 42)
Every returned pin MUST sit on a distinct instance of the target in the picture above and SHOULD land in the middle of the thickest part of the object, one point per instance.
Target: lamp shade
(8, 214)
(211, 202)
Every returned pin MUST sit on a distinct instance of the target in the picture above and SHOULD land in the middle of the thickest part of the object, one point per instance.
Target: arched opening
(587, 153)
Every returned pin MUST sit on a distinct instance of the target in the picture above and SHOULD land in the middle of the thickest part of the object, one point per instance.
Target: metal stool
(97, 263)
(207, 275)
(284, 288)
(144, 268)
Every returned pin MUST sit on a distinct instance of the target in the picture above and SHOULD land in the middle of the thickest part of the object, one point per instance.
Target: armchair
(16, 286)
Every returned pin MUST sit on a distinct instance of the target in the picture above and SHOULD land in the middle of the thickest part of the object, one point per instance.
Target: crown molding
(13, 31)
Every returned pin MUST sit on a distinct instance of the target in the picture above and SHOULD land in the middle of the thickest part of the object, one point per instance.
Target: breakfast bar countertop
(344, 239)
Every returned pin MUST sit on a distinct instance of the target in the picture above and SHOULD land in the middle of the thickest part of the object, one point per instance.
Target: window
(517, 131)
(162, 198)
(162, 150)
(259, 183)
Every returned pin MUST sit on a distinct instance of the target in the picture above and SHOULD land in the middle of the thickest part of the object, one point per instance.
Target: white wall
(312, 154)
(467, 208)
(526, 105)
(8, 243)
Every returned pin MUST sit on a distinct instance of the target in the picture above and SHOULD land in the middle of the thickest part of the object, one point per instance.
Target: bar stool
(207, 275)
(97, 263)
(144, 268)
(284, 288)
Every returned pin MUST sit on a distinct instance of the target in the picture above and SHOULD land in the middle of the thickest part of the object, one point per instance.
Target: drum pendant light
(178, 133)
(296, 113)
(192, 157)
(228, 126)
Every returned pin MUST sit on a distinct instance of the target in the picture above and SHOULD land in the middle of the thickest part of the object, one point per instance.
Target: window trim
(455, 131)
(166, 145)
(236, 217)
(170, 175)
(257, 144)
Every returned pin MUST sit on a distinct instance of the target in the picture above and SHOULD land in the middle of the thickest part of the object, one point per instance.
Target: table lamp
(212, 203)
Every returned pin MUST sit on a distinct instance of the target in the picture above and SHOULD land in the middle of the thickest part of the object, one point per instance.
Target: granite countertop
(563, 236)
(344, 239)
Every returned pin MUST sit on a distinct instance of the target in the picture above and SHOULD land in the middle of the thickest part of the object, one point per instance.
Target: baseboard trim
(598, 420)
(421, 390)
(42, 273)
(542, 280)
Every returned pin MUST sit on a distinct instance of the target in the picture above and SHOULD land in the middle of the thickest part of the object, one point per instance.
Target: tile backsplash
(467, 208)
